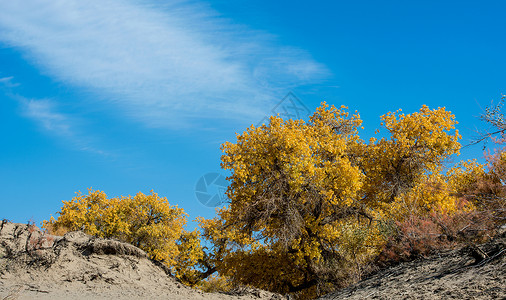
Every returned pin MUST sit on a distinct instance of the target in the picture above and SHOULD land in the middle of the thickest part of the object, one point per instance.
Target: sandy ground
(78, 266)
(457, 274)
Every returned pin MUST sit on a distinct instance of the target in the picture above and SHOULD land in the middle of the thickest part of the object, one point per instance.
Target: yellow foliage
(215, 284)
(308, 198)
(417, 147)
(190, 254)
(311, 204)
(146, 221)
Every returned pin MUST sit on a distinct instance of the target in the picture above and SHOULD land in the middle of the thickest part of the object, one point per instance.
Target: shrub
(146, 221)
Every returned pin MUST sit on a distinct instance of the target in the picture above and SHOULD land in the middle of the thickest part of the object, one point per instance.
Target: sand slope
(78, 266)
(457, 274)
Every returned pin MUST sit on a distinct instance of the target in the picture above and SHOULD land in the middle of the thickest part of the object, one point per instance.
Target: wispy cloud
(49, 117)
(8, 82)
(161, 64)
(43, 112)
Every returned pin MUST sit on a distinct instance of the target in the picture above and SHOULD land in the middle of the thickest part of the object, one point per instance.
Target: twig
(490, 258)
(14, 294)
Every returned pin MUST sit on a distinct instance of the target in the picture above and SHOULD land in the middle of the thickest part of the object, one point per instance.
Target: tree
(308, 200)
(494, 117)
(146, 221)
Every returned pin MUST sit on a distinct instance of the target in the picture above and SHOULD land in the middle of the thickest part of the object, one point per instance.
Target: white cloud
(8, 82)
(6, 79)
(44, 113)
(165, 65)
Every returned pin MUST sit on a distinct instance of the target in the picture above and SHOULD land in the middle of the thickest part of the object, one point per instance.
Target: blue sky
(129, 96)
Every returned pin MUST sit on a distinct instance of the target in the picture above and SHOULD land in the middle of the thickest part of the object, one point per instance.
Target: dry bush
(488, 193)
(420, 235)
(59, 230)
(416, 236)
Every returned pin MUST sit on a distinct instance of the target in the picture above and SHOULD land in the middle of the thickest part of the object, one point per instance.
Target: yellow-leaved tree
(312, 205)
(146, 221)
(309, 200)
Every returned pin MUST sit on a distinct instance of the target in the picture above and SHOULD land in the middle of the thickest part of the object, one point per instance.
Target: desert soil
(458, 274)
(34, 265)
(77, 266)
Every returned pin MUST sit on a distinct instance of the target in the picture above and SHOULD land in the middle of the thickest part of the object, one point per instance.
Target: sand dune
(78, 266)
(473, 272)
